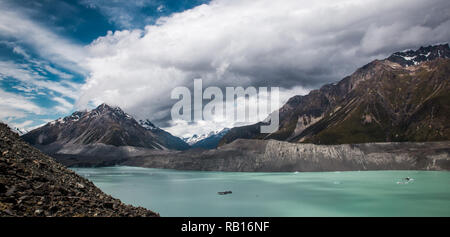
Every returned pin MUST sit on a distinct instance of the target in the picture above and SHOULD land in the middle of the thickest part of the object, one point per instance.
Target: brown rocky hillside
(405, 97)
(33, 184)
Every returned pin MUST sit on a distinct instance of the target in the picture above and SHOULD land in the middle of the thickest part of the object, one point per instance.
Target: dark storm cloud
(291, 44)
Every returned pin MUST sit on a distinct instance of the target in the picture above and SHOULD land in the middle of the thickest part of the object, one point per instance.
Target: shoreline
(252, 172)
(276, 156)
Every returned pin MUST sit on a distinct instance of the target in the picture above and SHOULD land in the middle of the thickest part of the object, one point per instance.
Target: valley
(390, 114)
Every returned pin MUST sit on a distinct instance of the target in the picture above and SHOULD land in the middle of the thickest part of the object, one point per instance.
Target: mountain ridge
(206, 141)
(252, 155)
(374, 104)
(106, 125)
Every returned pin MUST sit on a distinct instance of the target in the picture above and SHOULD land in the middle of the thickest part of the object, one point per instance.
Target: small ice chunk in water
(405, 180)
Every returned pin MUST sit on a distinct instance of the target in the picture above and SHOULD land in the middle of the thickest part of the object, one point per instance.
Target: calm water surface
(194, 193)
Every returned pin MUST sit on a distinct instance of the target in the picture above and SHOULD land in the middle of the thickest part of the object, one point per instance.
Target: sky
(57, 57)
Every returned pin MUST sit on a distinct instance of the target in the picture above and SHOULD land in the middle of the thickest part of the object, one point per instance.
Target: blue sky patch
(43, 80)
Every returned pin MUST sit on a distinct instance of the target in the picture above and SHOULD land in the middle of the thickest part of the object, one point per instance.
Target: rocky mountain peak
(148, 125)
(107, 109)
(208, 140)
(401, 98)
(19, 131)
(423, 54)
(107, 125)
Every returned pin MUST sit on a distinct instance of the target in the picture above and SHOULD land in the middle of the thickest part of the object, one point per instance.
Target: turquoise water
(194, 193)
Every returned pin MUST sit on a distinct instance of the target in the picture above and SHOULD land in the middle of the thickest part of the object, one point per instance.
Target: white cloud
(18, 71)
(122, 13)
(19, 50)
(14, 106)
(64, 105)
(49, 45)
(254, 43)
(33, 81)
(23, 125)
(43, 53)
(184, 129)
(57, 72)
(27, 125)
(16, 49)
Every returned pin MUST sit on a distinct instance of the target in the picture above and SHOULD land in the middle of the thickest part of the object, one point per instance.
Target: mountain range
(208, 140)
(405, 97)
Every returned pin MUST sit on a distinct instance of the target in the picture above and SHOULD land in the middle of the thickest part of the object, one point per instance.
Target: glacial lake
(194, 193)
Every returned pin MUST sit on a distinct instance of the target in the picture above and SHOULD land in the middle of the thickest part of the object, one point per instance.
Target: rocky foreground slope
(274, 156)
(33, 184)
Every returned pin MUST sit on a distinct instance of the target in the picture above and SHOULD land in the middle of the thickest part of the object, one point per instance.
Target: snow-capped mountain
(401, 98)
(195, 138)
(208, 140)
(423, 54)
(103, 125)
(20, 131)
(148, 125)
(165, 137)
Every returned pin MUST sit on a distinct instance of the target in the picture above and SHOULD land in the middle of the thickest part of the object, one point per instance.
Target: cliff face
(278, 156)
(367, 156)
(274, 156)
(402, 98)
(33, 184)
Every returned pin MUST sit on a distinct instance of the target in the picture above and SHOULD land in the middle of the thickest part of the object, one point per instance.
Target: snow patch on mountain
(423, 54)
(197, 138)
(148, 125)
(20, 131)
